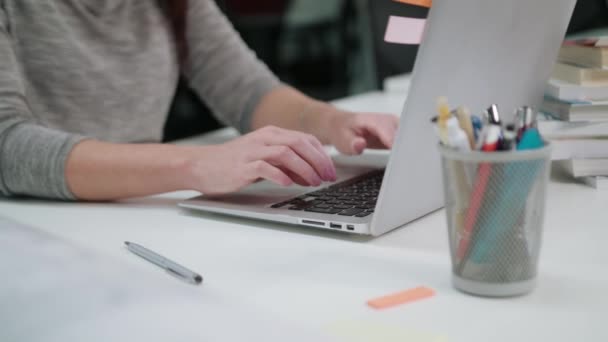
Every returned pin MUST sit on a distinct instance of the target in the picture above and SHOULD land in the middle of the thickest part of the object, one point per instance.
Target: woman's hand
(275, 154)
(351, 133)
(284, 156)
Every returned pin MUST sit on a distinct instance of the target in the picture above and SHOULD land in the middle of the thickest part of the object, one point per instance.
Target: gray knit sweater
(107, 69)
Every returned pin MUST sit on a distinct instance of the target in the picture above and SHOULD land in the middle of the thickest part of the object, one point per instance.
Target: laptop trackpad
(261, 193)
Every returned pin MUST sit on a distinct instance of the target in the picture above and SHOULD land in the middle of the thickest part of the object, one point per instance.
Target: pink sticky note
(403, 30)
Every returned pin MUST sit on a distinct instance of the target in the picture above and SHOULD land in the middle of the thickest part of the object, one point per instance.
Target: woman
(85, 87)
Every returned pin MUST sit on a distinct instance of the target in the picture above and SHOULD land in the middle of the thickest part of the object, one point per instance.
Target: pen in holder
(495, 229)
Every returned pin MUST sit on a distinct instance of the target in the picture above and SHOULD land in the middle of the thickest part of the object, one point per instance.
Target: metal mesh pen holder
(495, 208)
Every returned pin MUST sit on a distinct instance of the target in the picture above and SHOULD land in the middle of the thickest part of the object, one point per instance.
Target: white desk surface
(323, 279)
(397, 83)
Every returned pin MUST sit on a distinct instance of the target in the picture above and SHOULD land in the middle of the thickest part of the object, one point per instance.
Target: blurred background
(328, 49)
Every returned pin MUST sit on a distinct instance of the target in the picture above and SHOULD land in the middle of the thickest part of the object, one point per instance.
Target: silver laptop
(475, 52)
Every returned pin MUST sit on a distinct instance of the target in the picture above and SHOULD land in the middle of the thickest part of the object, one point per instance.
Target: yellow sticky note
(402, 297)
(422, 3)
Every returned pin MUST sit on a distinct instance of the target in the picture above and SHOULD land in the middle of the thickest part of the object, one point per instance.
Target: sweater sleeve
(32, 157)
(221, 69)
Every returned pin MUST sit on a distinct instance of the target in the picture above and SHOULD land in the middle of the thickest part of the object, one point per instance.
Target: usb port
(335, 225)
(350, 227)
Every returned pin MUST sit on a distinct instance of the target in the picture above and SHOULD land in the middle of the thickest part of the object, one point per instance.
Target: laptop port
(350, 227)
(316, 223)
(335, 225)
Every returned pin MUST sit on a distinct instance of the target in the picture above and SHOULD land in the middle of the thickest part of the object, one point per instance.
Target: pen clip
(492, 115)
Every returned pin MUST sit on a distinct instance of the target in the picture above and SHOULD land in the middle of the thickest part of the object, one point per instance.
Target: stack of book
(576, 104)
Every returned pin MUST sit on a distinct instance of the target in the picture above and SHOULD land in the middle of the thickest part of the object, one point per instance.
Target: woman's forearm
(105, 171)
(288, 108)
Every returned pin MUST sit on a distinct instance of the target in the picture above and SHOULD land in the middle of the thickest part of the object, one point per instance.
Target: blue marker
(530, 140)
(477, 126)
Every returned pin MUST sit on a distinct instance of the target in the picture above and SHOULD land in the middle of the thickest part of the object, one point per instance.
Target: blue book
(575, 110)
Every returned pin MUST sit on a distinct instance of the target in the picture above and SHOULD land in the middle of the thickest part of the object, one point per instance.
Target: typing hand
(354, 132)
(275, 154)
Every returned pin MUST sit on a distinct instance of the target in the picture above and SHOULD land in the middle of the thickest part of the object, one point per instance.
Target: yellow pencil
(444, 114)
(464, 120)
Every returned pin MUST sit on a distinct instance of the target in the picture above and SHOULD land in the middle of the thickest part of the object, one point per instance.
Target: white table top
(397, 83)
(323, 279)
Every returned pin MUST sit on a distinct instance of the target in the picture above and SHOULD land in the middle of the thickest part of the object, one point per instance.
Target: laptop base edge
(331, 222)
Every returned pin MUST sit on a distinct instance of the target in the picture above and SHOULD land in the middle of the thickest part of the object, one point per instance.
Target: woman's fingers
(383, 128)
(284, 157)
(262, 169)
(350, 143)
(296, 179)
(317, 144)
(307, 147)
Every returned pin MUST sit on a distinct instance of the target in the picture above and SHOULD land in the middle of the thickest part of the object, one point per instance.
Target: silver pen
(172, 267)
(525, 118)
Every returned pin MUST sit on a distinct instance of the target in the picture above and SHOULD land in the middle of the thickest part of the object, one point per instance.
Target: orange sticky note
(402, 297)
(422, 3)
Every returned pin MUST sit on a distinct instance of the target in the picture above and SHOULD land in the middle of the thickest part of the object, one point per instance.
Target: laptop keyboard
(353, 197)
